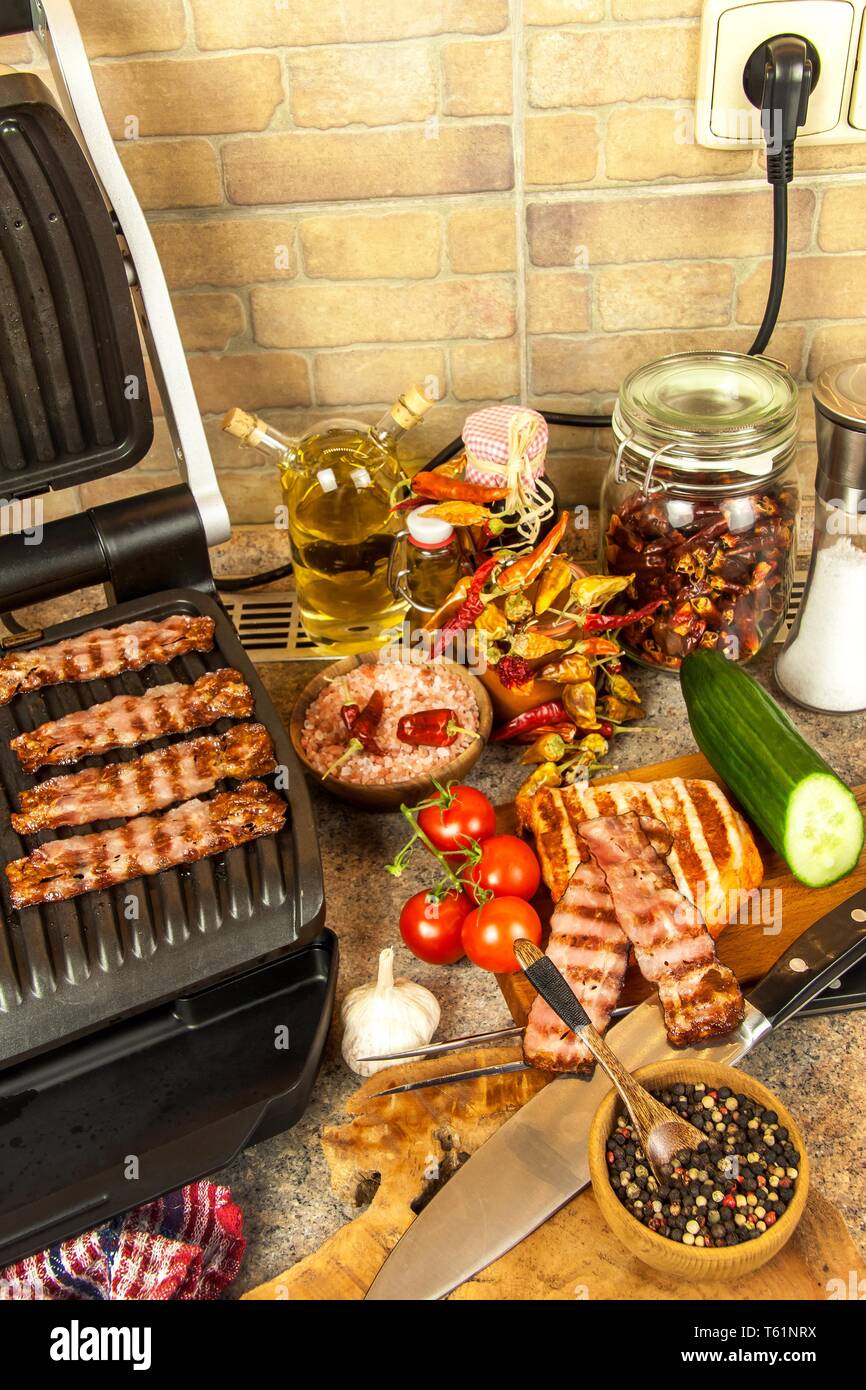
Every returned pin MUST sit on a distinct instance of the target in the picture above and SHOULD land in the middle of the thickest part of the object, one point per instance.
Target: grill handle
(135, 547)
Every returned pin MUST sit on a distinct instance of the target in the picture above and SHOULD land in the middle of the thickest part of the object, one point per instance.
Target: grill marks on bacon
(700, 997)
(104, 652)
(148, 783)
(66, 868)
(589, 947)
(131, 719)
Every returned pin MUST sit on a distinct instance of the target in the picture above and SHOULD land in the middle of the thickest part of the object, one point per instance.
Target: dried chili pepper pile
(537, 618)
(717, 573)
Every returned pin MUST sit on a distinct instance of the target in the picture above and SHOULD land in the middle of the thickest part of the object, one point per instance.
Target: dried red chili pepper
(444, 489)
(431, 728)
(349, 715)
(602, 622)
(363, 732)
(469, 609)
(513, 671)
(551, 712)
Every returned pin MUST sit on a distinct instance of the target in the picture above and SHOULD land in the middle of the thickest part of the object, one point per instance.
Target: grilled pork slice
(107, 651)
(130, 719)
(66, 868)
(590, 948)
(712, 854)
(148, 783)
(700, 997)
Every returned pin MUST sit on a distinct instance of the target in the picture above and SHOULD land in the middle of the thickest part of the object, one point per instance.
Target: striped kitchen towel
(186, 1245)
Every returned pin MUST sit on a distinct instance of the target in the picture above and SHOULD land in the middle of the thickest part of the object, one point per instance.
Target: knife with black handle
(537, 1160)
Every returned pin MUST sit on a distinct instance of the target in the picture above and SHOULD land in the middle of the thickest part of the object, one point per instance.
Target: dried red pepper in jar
(700, 503)
(720, 577)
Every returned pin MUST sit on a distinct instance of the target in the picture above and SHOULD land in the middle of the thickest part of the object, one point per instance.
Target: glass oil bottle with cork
(338, 482)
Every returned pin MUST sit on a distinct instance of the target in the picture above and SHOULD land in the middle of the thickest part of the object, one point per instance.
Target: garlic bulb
(388, 1016)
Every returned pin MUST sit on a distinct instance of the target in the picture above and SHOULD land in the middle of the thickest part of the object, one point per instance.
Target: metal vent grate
(270, 626)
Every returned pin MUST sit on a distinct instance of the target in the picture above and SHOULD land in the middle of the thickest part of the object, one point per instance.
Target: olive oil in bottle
(338, 481)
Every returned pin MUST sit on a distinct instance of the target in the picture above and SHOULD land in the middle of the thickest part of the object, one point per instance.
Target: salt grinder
(823, 663)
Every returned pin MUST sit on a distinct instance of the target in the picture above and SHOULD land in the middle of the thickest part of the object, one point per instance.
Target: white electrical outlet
(730, 33)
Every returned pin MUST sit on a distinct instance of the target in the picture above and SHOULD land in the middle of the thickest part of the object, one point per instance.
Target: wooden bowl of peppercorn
(675, 1256)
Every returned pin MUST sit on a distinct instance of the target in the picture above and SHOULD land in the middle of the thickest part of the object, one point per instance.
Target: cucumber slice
(823, 831)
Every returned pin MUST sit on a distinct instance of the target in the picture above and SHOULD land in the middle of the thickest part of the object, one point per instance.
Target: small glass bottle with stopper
(338, 482)
(431, 564)
(823, 663)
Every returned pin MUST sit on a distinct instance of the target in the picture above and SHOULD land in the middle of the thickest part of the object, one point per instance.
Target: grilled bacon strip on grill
(148, 783)
(107, 651)
(64, 869)
(590, 948)
(700, 997)
(130, 719)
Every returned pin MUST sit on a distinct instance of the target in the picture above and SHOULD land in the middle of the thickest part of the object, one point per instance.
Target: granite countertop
(815, 1066)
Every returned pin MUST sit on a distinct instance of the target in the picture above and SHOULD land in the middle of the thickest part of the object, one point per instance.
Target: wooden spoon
(662, 1134)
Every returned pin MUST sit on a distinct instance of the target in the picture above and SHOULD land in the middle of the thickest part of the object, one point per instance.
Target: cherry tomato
(507, 868)
(489, 933)
(450, 829)
(432, 927)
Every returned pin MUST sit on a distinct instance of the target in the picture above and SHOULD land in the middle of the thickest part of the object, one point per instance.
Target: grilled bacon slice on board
(66, 868)
(107, 651)
(131, 719)
(148, 783)
(590, 948)
(700, 997)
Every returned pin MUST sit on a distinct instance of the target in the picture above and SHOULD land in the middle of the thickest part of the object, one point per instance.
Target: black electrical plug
(779, 78)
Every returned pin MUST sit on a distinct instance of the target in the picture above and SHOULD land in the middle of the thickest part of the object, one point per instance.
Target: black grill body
(149, 1031)
(175, 1037)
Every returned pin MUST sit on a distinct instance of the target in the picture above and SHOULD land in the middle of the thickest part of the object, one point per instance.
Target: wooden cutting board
(395, 1152)
(746, 946)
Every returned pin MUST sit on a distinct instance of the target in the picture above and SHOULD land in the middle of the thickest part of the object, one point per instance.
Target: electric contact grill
(139, 1049)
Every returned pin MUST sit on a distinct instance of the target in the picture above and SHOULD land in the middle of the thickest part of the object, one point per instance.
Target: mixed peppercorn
(733, 1189)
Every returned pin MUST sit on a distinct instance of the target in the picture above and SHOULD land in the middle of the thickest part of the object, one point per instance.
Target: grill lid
(73, 397)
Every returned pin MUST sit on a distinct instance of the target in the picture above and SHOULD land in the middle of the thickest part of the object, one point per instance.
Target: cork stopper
(249, 429)
(411, 407)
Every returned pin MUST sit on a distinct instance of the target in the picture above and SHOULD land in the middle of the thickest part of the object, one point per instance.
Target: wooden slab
(394, 1153)
(747, 947)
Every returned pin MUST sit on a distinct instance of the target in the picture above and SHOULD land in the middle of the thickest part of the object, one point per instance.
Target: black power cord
(252, 581)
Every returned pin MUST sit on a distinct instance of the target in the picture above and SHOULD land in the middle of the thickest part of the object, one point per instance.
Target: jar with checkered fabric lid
(506, 446)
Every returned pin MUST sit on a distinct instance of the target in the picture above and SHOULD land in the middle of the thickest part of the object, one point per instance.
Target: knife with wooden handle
(537, 1160)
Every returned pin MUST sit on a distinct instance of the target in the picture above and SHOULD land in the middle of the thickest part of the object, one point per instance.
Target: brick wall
(346, 197)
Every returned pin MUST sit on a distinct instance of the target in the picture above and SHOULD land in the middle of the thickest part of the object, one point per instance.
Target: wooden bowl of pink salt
(390, 767)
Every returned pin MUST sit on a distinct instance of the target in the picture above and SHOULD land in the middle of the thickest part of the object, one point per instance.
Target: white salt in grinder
(823, 663)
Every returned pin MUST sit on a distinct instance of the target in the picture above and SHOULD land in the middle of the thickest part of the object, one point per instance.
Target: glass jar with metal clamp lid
(426, 563)
(700, 503)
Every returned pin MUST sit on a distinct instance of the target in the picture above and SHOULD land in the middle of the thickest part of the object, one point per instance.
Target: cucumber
(784, 786)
